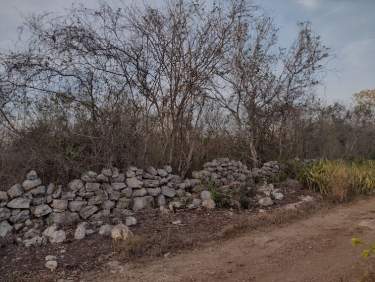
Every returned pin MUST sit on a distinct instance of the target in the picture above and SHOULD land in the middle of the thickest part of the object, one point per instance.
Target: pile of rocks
(223, 171)
(267, 171)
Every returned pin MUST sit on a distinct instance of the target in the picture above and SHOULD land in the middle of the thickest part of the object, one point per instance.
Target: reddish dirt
(314, 249)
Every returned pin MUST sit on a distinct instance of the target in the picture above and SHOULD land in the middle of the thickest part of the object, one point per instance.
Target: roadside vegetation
(339, 180)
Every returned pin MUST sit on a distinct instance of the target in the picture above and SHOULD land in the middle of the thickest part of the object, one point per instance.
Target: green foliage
(339, 179)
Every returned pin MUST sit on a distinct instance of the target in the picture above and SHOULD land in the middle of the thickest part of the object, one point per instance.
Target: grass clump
(339, 180)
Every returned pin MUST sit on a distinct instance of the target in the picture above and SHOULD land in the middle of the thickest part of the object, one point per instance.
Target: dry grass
(340, 180)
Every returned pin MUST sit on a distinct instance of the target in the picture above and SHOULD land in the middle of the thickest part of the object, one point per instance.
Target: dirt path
(313, 249)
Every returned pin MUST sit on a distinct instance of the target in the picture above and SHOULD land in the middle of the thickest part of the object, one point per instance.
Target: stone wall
(29, 207)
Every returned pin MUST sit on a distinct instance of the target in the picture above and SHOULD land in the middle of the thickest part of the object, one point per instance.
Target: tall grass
(340, 180)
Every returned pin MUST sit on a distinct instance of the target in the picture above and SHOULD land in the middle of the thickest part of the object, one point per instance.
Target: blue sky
(346, 26)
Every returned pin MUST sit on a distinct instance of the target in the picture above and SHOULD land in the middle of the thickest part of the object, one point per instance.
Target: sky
(346, 26)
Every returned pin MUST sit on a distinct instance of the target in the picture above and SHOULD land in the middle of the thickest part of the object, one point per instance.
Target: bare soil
(311, 243)
(317, 248)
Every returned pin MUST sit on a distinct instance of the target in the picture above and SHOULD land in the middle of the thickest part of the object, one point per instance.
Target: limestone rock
(76, 206)
(265, 202)
(30, 184)
(4, 214)
(42, 210)
(168, 192)
(19, 203)
(130, 221)
(88, 211)
(80, 231)
(15, 191)
(134, 183)
(5, 228)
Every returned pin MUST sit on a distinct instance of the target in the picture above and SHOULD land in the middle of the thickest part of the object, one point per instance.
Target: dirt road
(314, 249)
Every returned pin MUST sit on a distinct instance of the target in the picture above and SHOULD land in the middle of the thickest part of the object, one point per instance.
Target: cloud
(309, 4)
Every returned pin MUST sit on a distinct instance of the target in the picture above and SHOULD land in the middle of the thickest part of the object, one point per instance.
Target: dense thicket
(178, 84)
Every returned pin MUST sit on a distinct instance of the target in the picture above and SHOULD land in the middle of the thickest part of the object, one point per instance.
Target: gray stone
(140, 203)
(119, 178)
(102, 178)
(59, 205)
(107, 205)
(57, 193)
(130, 221)
(50, 189)
(139, 192)
(19, 216)
(154, 191)
(107, 172)
(15, 191)
(88, 211)
(265, 202)
(76, 185)
(51, 265)
(76, 206)
(118, 186)
(168, 192)
(105, 230)
(168, 169)
(96, 200)
(70, 195)
(19, 203)
(55, 236)
(161, 201)
(40, 190)
(4, 214)
(92, 186)
(277, 196)
(133, 183)
(34, 242)
(38, 201)
(30, 184)
(151, 170)
(42, 210)
(205, 195)
(162, 172)
(5, 228)
(115, 195)
(80, 231)
(130, 173)
(148, 183)
(175, 205)
(127, 192)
